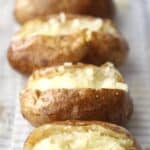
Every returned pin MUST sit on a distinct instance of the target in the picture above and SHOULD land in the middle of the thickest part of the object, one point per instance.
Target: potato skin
(29, 54)
(106, 47)
(44, 131)
(27, 9)
(102, 8)
(109, 105)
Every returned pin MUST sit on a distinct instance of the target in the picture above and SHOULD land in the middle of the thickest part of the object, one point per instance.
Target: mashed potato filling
(92, 137)
(62, 26)
(86, 77)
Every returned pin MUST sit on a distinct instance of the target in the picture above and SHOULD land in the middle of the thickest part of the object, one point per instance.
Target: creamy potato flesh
(85, 77)
(61, 26)
(92, 137)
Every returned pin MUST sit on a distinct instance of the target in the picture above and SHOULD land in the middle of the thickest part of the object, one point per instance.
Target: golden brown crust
(44, 131)
(109, 48)
(29, 53)
(102, 8)
(27, 9)
(110, 105)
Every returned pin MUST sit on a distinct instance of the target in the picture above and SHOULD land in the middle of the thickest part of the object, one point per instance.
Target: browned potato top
(81, 136)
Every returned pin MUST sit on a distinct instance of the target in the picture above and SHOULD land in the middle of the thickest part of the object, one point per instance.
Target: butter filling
(62, 26)
(85, 77)
(84, 138)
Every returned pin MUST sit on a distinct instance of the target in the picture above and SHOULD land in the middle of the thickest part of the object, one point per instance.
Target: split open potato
(66, 38)
(76, 92)
(77, 135)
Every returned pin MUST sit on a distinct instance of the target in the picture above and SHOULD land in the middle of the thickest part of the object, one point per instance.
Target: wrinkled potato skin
(28, 9)
(45, 131)
(109, 105)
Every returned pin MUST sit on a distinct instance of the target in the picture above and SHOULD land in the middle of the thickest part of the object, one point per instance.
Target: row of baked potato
(61, 91)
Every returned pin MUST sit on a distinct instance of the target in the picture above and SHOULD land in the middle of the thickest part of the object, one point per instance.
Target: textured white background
(134, 22)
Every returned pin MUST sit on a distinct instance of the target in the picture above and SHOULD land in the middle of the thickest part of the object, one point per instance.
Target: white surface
(131, 20)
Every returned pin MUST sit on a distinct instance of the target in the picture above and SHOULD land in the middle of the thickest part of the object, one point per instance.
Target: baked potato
(26, 9)
(66, 38)
(76, 92)
(75, 135)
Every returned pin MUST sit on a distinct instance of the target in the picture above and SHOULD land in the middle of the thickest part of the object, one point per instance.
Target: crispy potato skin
(44, 131)
(27, 9)
(102, 8)
(30, 53)
(109, 105)
(27, 55)
(109, 48)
